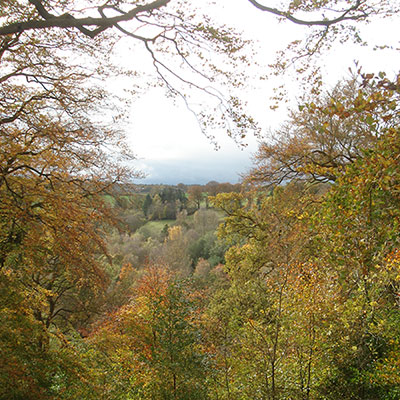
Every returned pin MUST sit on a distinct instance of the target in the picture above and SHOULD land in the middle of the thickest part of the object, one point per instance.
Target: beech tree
(56, 162)
(175, 37)
(361, 213)
(324, 136)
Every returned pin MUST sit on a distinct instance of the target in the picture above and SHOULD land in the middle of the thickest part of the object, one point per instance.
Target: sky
(166, 137)
(171, 148)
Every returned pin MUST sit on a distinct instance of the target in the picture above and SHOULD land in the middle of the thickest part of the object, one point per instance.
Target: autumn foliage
(299, 295)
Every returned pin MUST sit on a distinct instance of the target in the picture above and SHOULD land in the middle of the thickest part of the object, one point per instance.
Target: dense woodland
(286, 286)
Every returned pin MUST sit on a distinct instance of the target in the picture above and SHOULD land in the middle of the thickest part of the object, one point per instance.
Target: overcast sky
(171, 148)
(167, 139)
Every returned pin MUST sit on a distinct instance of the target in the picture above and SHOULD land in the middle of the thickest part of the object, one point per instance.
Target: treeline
(137, 204)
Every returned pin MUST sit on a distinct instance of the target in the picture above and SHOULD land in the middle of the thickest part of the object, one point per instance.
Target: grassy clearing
(154, 228)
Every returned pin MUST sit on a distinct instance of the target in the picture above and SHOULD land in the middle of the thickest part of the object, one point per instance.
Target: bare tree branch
(345, 16)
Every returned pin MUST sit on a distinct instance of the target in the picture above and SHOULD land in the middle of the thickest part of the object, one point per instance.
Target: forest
(284, 286)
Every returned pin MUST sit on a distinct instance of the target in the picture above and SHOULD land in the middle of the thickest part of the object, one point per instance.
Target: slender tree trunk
(310, 357)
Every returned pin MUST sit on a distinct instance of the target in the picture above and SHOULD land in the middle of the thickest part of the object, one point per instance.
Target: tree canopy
(325, 134)
(306, 305)
(175, 36)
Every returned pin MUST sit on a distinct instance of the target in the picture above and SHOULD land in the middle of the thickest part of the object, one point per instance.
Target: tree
(157, 338)
(51, 235)
(205, 221)
(133, 220)
(56, 165)
(52, 30)
(269, 274)
(67, 20)
(156, 210)
(322, 137)
(360, 216)
(315, 274)
(195, 194)
(147, 204)
(353, 12)
(212, 188)
(174, 252)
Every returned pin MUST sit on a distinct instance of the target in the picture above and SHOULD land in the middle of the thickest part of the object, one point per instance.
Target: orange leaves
(155, 282)
(154, 337)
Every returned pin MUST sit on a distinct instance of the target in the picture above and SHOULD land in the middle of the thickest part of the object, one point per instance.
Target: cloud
(221, 168)
(171, 148)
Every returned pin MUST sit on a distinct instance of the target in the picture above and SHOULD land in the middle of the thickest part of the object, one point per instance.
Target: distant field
(153, 228)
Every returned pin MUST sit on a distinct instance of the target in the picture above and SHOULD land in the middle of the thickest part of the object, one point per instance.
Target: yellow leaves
(126, 271)
(6, 271)
(175, 233)
(392, 265)
(304, 215)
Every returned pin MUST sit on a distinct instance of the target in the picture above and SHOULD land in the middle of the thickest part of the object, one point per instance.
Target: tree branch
(69, 21)
(325, 22)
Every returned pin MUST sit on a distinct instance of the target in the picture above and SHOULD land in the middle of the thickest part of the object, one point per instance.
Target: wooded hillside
(286, 286)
